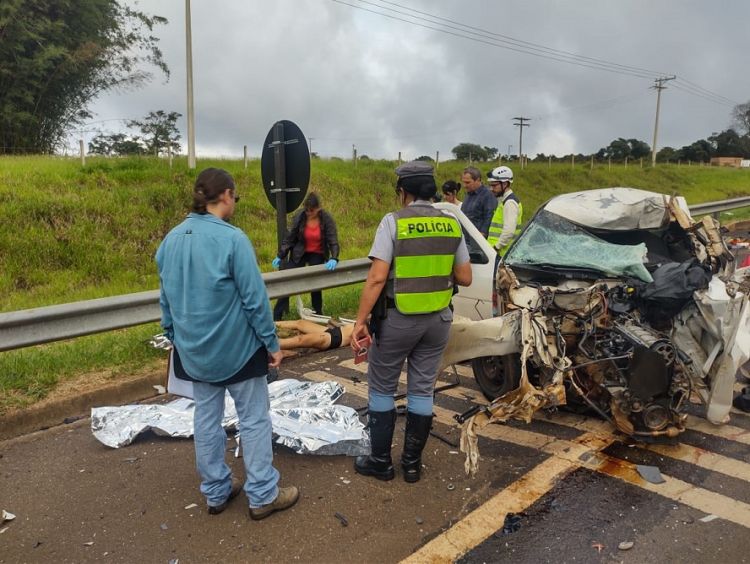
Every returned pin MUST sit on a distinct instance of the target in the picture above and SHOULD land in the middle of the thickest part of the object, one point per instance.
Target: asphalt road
(569, 483)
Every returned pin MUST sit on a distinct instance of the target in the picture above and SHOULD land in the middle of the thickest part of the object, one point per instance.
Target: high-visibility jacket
(426, 243)
(496, 225)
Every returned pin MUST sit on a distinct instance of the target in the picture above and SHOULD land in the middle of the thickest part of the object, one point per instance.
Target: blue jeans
(251, 400)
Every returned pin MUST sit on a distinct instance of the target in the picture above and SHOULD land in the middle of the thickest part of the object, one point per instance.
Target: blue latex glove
(276, 263)
(331, 264)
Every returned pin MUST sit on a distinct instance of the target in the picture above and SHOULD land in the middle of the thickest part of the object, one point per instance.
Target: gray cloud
(346, 76)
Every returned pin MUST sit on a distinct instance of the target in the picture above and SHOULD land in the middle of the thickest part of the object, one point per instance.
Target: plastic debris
(191, 506)
(451, 487)
(708, 518)
(90, 543)
(163, 527)
(342, 518)
(650, 474)
(511, 524)
(625, 545)
(7, 516)
(160, 389)
(598, 546)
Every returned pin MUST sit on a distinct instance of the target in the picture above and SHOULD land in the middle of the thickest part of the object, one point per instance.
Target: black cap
(414, 168)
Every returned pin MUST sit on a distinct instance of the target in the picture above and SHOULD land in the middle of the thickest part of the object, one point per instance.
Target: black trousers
(282, 304)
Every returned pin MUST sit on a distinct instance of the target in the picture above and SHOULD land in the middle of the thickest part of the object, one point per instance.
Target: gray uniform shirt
(385, 242)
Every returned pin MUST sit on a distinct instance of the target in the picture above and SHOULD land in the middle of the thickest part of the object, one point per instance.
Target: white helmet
(500, 174)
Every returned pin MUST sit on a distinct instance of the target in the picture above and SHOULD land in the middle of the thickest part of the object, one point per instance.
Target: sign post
(285, 167)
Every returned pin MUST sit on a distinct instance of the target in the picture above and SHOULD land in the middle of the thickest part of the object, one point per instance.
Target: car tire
(497, 375)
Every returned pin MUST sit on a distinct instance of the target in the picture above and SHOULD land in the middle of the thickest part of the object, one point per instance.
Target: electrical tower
(658, 86)
(520, 124)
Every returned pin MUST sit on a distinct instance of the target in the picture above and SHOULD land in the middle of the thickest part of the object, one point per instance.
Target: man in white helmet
(506, 221)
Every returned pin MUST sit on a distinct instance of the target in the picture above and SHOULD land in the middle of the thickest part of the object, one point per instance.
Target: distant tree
(741, 116)
(622, 148)
(425, 158)
(490, 153)
(363, 158)
(100, 145)
(729, 143)
(159, 131)
(56, 56)
(540, 157)
(666, 155)
(466, 151)
(701, 150)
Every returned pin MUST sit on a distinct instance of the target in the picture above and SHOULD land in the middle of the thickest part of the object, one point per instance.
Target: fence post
(688, 163)
(437, 159)
(399, 158)
(549, 162)
(169, 154)
(592, 162)
(679, 162)
(83, 155)
(641, 162)
(244, 155)
(626, 162)
(609, 163)
(572, 161)
(354, 157)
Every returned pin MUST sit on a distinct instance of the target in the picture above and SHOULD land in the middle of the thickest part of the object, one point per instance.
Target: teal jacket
(214, 304)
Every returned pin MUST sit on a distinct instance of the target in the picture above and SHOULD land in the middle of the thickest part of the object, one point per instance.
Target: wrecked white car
(614, 301)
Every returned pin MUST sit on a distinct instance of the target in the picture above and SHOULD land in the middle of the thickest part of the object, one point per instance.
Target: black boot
(417, 430)
(378, 464)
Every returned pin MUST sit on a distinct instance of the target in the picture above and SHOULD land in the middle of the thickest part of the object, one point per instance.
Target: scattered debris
(346, 481)
(37, 544)
(3, 530)
(191, 506)
(160, 389)
(7, 516)
(598, 546)
(72, 419)
(131, 459)
(90, 543)
(419, 520)
(512, 523)
(163, 527)
(451, 487)
(625, 545)
(650, 474)
(708, 518)
(342, 518)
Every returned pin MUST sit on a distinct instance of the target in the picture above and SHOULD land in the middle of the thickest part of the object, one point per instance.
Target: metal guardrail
(721, 206)
(37, 326)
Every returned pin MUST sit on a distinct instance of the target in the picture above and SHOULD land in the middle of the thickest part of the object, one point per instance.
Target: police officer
(417, 256)
(506, 221)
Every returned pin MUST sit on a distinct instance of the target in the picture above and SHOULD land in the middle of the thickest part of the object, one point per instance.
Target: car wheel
(497, 375)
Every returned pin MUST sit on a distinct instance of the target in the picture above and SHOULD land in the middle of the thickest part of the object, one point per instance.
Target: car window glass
(553, 241)
(476, 254)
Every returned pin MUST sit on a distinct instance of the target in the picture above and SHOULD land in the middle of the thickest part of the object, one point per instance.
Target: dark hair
(312, 201)
(474, 172)
(209, 186)
(451, 186)
(421, 187)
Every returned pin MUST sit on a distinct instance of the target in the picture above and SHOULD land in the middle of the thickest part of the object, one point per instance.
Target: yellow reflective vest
(426, 243)
(496, 225)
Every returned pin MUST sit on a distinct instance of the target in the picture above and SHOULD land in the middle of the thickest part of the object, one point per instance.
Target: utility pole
(190, 109)
(510, 148)
(658, 86)
(310, 140)
(520, 126)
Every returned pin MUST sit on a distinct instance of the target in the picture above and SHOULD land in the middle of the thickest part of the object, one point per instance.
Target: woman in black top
(311, 240)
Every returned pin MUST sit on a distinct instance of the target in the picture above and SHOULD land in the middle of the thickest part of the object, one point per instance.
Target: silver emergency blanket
(303, 416)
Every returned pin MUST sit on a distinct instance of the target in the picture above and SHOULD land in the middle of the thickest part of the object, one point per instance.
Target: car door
(475, 301)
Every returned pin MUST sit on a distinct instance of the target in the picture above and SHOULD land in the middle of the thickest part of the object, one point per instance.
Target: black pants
(282, 304)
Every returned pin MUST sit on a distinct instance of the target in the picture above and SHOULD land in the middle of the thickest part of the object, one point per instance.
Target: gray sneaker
(286, 498)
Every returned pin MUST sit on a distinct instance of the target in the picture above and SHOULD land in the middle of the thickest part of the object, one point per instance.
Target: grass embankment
(71, 233)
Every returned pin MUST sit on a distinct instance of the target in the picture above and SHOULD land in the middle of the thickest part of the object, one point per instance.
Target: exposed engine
(632, 375)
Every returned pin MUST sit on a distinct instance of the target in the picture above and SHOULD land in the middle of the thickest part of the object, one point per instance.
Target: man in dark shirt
(480, 203)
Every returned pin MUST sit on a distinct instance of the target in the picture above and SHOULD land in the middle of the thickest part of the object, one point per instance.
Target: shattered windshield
(553, 241)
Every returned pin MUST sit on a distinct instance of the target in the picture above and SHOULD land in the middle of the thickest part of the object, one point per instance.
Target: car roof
(615, 209)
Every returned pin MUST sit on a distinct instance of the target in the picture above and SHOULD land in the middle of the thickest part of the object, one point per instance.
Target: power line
(527, 47)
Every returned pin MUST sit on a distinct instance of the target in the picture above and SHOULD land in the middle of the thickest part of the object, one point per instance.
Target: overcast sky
(348, 77)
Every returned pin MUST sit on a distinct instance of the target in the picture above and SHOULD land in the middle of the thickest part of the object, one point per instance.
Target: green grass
(72, 233)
